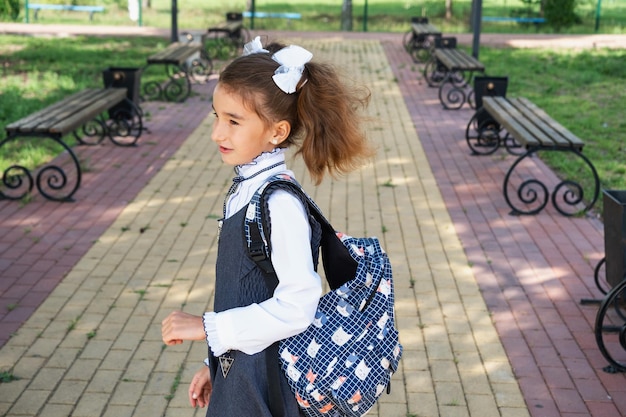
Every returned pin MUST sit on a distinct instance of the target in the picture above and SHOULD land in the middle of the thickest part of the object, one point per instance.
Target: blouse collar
(261, 162)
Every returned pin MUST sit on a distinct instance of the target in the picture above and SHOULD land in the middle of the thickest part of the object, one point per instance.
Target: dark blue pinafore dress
(240, 282)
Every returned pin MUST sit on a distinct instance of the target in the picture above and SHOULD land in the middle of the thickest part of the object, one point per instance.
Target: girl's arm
(179, 326)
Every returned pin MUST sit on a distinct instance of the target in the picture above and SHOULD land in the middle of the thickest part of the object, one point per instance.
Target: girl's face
(239, 131)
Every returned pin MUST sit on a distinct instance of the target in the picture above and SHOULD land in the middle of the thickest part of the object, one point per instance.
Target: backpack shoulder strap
(257, 225)
(257, 232)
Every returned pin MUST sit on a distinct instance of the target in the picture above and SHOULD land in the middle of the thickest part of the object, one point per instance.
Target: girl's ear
(280, 132)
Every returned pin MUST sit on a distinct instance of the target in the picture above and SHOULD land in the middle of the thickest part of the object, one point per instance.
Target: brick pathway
(486, 303)
(531, 270)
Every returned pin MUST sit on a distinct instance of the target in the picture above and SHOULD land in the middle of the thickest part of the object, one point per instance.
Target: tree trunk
(346, 15)
(448, 9)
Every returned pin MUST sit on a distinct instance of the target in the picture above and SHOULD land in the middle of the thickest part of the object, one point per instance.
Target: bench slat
(505, 114)
(70, 113)
(175, 53)
(535, 133)
(458, 60)
(542, 129)
(228, 27)
(185, 51)
(569, 139)
(100, 102)
(424, 29)
(51, 111)
(530, 125)
(56, 113)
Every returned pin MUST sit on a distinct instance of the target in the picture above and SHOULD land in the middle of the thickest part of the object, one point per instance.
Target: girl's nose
(216, 136)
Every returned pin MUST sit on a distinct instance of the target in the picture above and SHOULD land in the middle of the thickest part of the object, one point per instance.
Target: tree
(10, 9)
(560, 13)
(448, 9)
(346, 15)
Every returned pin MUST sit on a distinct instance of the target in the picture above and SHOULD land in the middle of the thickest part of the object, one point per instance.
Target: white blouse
(291, 309)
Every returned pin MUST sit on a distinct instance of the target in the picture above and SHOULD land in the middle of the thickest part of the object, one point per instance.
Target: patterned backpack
(341, 364)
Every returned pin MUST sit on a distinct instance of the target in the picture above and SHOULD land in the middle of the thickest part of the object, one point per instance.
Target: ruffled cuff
(206, 362)
(212, 336)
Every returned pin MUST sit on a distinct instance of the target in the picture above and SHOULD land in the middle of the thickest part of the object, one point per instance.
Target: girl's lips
(224, 150)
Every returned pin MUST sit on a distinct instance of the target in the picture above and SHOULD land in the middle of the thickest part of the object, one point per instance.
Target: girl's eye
(215, 114)
(234, 122)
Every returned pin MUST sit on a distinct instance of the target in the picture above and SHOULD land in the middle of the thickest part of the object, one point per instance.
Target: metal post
(598, 7)
(174, 36)
(252, 11)
(140, 20)
(26, 10)
(365, 17)
(477, 15)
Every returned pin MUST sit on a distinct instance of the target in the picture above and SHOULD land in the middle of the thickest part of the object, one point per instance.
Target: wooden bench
(434, 71)
(63, 7)
(85, 115)
(533, 130)
(534, 20)
(174, 58)
(418, 41)
(199, 65)
(452, 70)
(272, 15)
(225, 39)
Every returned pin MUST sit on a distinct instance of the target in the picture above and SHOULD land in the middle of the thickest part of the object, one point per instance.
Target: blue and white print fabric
(341, 364)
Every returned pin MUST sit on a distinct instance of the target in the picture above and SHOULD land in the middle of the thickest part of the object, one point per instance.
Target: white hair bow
(291, 60)
(254, 47)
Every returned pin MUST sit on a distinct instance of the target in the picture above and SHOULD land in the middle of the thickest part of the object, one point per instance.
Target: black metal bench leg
(483, 133)
(125, 124)
(91, 133)
(434, 72)
(177, 88)
(52, 181)
(418, 46)
(452, 90)
(532, 194)
(610, 328)
(601, 284)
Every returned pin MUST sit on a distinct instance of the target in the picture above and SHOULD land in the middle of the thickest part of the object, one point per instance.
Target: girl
(264, 102)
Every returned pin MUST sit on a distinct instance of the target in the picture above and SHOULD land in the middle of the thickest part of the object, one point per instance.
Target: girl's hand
(200, 388)
(179, 326)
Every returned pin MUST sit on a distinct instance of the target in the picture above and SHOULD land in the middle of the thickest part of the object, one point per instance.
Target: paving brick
(68, 392)
(29, 403)
(56, 410)
(119, 411)
(91, 404)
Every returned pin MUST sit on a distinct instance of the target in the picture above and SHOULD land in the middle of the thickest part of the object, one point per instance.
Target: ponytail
(328, 112)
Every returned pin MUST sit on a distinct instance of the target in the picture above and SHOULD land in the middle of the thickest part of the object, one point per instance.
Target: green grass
(324, 15)
(7, 376)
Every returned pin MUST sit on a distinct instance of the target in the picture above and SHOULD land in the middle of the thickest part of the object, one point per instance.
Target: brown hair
(323, 113)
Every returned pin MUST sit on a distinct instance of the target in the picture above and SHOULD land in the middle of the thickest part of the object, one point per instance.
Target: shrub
(560, 14)
(10, 9)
